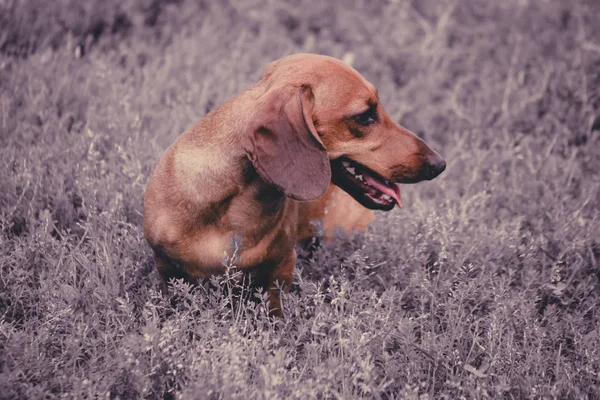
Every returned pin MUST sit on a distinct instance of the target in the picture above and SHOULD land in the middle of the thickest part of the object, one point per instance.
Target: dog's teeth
(346, 163)
(360, 178)
(387, 197)
(351, 170)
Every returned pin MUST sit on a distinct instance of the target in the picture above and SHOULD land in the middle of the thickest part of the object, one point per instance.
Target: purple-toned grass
(485, 285)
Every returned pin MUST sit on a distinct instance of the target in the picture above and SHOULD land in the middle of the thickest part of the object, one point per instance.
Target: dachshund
(310, 140)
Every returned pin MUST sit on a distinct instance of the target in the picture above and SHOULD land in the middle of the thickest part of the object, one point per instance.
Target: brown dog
(252, 164)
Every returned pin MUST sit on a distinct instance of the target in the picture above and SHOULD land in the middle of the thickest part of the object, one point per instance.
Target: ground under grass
(485, 285)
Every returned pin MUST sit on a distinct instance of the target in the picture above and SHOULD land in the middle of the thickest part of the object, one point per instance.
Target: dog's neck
(219, 179)
(209, 157)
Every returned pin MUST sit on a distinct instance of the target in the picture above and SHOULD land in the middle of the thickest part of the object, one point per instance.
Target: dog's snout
(436, 166)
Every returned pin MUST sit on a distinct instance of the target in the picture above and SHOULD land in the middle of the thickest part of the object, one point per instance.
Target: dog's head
(320, 121)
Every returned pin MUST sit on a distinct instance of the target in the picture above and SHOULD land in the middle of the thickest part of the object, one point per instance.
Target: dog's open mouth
(368, 187)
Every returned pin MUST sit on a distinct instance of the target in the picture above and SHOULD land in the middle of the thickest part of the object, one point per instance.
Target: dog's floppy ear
(284, 146)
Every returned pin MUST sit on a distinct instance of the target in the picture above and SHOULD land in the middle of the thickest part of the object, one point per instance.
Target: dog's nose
(436, 167)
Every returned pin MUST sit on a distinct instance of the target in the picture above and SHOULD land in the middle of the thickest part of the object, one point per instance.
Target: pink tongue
(394, 192)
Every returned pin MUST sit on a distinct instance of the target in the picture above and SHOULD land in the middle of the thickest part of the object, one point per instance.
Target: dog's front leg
(282, 274)
(168, 269)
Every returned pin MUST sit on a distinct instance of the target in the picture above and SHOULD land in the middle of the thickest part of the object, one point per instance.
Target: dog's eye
(367, 118)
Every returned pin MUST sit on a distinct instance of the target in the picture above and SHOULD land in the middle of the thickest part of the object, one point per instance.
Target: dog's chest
(261, 223)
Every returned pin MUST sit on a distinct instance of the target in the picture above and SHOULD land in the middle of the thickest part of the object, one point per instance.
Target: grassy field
(485, 285)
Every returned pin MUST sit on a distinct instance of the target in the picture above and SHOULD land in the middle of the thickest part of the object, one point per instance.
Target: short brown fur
(249, 166)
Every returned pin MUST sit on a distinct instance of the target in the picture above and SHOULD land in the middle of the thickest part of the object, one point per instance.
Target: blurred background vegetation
(485, 285)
